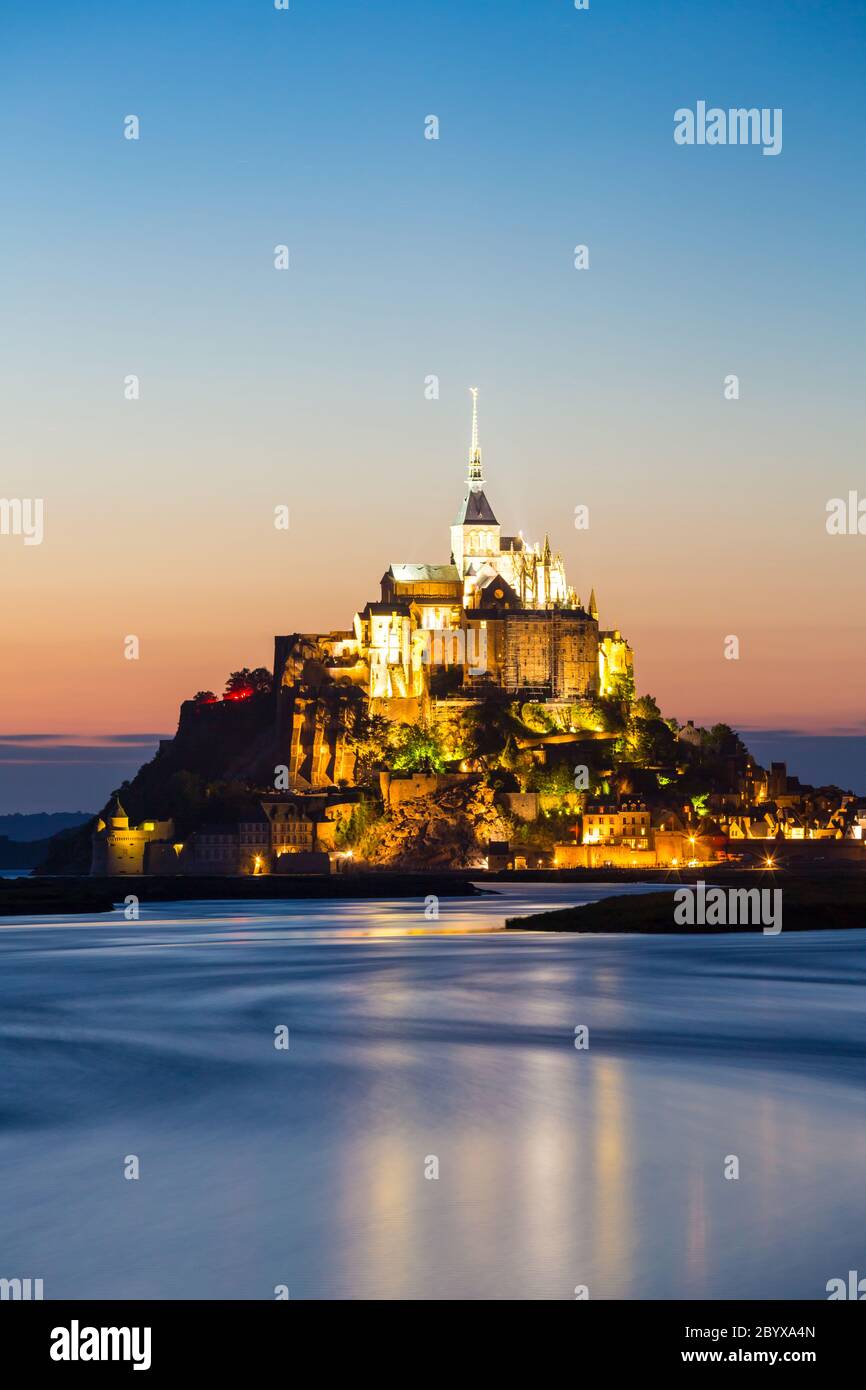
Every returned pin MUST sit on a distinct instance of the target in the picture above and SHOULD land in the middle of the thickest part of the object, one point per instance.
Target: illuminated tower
(475, 534)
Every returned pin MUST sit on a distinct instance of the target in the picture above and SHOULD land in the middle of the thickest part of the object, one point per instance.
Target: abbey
(499, 614)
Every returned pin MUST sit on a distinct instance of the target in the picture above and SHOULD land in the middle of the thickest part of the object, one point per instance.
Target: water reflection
(412, 1040)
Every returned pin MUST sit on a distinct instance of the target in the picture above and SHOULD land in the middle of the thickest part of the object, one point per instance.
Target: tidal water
(412, 1041)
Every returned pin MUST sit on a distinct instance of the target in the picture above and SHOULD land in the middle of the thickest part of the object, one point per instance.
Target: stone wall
(571, 856)
(396, 790)
(522, 805)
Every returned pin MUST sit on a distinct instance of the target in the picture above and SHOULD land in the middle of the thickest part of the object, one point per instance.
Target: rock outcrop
(447, 829)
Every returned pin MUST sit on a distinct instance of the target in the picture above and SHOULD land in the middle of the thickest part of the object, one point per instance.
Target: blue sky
(555, 127)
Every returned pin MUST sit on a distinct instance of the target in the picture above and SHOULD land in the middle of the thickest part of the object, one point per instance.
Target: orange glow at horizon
(204, 580)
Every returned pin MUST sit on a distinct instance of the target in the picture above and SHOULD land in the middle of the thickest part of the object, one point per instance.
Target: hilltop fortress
(499, 617)
(500, 614)
(446, 729)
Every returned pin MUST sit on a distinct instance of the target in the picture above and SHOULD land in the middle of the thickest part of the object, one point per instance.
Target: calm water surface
(411, 1039)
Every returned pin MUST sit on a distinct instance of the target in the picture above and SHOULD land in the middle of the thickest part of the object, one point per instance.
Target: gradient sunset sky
(412, 257)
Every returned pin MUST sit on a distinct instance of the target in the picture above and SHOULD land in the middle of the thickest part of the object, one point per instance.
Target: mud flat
(21, 896)
(807, 904)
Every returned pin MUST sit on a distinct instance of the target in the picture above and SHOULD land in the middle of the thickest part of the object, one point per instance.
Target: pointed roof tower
(113, 817)
(476, 507)
(593, 606)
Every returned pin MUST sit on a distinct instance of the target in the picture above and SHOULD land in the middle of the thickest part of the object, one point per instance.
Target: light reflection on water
(412, 1038)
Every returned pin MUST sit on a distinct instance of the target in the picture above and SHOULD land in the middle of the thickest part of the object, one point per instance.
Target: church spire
(593, 606)
(476, 476)
(475, 511)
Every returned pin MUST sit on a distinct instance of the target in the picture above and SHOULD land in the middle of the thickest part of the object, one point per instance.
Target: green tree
(645, 707)
(420, 749)
(537, 718)
(557, 780)
(612, 715)
(518, 762)
(489, 725)
(720, 742)
(351, 830)
(622, 688)
(375, 741)
(651, 742)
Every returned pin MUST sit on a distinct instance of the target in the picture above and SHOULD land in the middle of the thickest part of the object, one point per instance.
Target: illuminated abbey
(500, 614)
(453, 714)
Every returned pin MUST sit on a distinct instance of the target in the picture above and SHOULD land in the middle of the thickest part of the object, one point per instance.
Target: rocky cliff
(447, 829)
